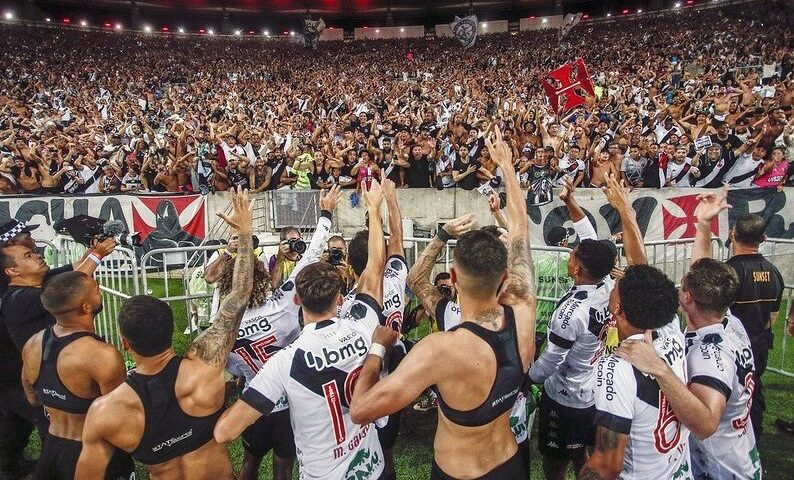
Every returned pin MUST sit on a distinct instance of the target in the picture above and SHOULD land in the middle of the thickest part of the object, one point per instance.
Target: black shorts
(564, 432)
(271, 432)
(512, 469)
(58, 461)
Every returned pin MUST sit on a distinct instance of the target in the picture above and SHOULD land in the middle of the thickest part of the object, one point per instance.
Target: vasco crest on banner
(311, 32)
(568, 83)
(465, 30)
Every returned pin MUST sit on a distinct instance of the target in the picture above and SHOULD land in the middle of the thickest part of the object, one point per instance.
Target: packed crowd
(323, 372)
(696, 99)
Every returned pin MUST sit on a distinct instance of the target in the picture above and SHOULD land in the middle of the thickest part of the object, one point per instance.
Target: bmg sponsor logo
(330, 357)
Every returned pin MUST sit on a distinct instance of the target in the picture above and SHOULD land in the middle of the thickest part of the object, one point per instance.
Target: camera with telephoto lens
(446, 291)
(86, 230)
(297, 245)
(336, 256)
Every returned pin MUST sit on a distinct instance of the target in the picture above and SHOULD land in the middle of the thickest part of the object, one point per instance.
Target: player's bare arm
(371, 280)
(519, 288)
(374, 398)
(234, 421)
(419, 276)
(395, 216)
(606, 462)
(711, 205)
(214, 344)
(698, 407)
(617, 193)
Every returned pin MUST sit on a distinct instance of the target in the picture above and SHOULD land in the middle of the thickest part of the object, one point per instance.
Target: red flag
(564, 82)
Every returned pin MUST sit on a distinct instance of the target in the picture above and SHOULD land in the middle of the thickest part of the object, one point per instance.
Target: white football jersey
(630, 402)
(448, 316)
(719, 356)
(273, 325)
(742, 173)
(394, 277)
(317, 373)
(581, 331)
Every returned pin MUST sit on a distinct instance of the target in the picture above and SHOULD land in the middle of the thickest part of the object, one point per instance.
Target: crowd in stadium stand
(687, 99)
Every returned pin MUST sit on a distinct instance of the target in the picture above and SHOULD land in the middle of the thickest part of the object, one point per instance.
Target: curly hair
(262, 287)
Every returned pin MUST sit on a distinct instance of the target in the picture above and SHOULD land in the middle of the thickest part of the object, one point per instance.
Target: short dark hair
(482, 257)
(712, 284)
(749, 229)
(336, 238)
(286, 231)
(358, 251)
(648, 298)
(441, 276)
(492, 229)
(318, 286)
(147, 323)
(60, 291)
(597, 257)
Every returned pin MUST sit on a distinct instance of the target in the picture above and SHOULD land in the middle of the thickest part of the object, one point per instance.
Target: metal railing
(672, 256)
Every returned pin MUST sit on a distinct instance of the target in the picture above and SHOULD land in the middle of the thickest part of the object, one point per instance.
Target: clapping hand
(330, 198)
(711, 204)
(617, 192)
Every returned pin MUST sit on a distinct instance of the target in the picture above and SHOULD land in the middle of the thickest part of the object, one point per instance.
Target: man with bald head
(65, 367)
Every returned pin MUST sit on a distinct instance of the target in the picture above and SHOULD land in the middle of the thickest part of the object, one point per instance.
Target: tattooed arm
(519, 288)
(213, 346)
(419, 276)
(606, 462)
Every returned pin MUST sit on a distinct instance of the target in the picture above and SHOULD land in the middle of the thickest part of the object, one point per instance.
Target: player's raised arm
(314, 250)
(519, 287)
(395, 217)
(419, 275)
(711, 205)
(617, 195)
(584, 229)
(214, 344)
(371, 280)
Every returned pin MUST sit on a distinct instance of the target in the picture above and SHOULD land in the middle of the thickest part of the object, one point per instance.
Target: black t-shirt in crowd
(760, 292)
(21, 316)
(731, 143)
(469, 182)
(418, 174)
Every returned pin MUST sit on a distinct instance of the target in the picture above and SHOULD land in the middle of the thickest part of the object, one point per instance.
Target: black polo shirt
(760, 292)
(21, 316)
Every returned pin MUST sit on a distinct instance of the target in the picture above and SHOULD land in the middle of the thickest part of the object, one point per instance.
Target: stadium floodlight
(266, 33)
(639, 10)
(237, 32)
(181, 30)
(48, 19)
(147, 29)
(377, 30)
(83, 23)
(402, 30)
(484, 25)
(118, 26)
(211, 32)
(545, 20)
(609, 14)
(677, 5)
(8, 15)
(291, 33)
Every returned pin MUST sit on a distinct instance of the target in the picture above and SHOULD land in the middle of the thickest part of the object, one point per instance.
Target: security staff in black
(65, 368)
(164, 414)
(757, 301)
(479, 370)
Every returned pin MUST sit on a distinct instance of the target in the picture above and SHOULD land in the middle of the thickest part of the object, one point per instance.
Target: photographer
(22, 315)
(336, 255)
(290, 249)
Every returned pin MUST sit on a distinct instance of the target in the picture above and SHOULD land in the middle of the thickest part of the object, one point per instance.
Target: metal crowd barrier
(782, 340)
(117, 279)
(672, 256)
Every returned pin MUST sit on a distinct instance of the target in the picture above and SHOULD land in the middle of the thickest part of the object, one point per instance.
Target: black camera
(336, 256)
(446, 291)
(297, 245)
(86, 230)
